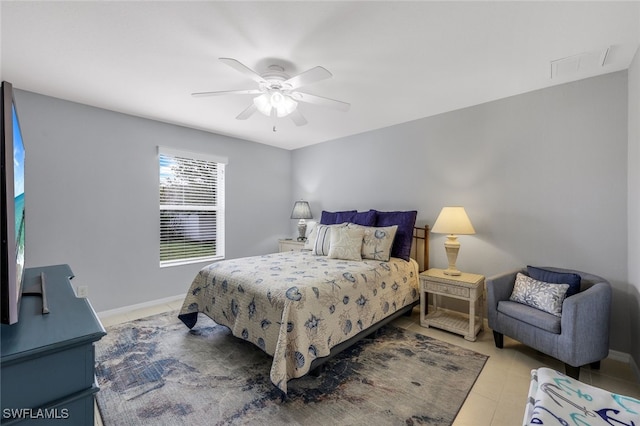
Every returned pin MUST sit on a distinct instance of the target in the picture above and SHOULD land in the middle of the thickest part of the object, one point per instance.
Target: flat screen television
(12, 223)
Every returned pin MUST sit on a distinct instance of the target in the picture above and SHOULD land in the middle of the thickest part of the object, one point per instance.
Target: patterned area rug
(155, 371)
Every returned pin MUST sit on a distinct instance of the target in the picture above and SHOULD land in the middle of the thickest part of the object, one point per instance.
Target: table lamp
(302, 211)
(451, 221)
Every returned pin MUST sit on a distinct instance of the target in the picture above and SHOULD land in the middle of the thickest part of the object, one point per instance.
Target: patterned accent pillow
(377, 242)
(538, 294)
(346, 243)
(322, 239)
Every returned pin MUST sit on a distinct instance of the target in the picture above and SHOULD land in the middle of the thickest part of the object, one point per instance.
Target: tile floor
(499, 395)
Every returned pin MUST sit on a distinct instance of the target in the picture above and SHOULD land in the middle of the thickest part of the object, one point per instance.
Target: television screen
(18, 194)
(12, 225)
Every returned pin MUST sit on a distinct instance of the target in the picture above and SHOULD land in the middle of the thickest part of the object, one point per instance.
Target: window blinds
(191, 207)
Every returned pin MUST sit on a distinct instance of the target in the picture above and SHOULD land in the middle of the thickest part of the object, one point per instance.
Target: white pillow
(538, 294)
(377, 241)
(312, 229)
(322, 239)
(346, 243)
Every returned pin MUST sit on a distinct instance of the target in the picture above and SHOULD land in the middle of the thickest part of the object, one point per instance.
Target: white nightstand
(290, 245)
(469, 287)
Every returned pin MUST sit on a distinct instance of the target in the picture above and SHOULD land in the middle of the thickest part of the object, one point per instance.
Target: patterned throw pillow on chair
(538, 294)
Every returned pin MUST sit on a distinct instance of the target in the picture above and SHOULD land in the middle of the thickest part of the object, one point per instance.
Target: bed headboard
(420, 247)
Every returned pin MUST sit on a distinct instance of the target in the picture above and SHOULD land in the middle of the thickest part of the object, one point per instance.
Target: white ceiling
(393, 61)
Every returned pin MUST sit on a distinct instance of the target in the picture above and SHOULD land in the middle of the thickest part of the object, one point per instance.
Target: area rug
(155, 371)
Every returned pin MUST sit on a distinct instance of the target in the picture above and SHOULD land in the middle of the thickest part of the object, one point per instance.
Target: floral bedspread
(556, 399)
(296, 306)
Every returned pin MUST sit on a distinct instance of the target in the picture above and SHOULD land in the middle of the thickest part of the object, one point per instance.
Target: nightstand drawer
(290, 245)
(432, 287)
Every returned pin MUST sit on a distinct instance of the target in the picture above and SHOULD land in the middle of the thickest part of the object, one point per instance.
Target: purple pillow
(554, 277)
(405, 220)
(365, 218)
(332, 218)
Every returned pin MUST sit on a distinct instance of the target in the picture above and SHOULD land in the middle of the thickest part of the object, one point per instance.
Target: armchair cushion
(531, 316)
(540, 295)
(554, 277)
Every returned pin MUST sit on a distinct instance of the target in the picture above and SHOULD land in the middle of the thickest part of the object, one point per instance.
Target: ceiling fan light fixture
(263, 104)
(286, 106)
(275, 99)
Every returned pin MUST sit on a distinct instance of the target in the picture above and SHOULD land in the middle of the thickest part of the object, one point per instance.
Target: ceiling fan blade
(297, 118)
(227, 92)
(247, 112)
(310, 76)
(319, 100)
(239, 66)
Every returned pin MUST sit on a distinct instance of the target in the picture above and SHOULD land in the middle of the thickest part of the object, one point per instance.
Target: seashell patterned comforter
(296, 306)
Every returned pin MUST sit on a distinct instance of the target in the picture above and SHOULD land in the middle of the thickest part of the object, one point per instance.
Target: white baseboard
(619, 356)
(627, 359)
(145, 305)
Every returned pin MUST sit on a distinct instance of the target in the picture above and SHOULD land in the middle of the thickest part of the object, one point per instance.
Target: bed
(303, 307)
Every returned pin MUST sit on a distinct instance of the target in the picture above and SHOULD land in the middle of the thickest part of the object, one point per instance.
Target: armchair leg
(595, 365)
(498, 338)
(571, 371)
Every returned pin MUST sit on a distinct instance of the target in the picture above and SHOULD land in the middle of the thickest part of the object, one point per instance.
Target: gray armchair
(579, 337)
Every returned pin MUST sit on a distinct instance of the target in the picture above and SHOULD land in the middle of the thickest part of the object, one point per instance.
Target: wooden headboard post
(421, 246)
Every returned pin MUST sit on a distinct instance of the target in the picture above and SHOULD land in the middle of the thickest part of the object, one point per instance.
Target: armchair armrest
(585, 323)
(499, 287)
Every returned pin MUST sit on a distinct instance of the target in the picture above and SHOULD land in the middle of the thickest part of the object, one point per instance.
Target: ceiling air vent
(583, 63)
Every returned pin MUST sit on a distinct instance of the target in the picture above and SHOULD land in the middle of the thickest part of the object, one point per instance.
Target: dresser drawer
(433, 287)
(36, 382)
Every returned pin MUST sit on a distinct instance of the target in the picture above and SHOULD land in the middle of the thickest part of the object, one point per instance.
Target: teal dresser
(47, 366)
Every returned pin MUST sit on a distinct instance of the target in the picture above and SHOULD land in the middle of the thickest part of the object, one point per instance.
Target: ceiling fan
(278, 94)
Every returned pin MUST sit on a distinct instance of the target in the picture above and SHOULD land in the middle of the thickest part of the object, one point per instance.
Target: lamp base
(302, 230)
(452, 246)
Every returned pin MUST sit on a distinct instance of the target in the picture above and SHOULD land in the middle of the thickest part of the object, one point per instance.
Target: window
(191, 207)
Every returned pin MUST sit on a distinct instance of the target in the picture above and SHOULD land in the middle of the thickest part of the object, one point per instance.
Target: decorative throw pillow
(346, 243)
(365, 218)
(312, 229)
(377, 241)
(540, 295)
(405, 220)
(333, 218)
(322, 240)
(554, 277)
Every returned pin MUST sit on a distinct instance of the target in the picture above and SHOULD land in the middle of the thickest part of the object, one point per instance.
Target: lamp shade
(453, 220)
(301, 210)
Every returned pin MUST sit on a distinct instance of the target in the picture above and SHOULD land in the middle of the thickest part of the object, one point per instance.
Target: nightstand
(290, 245)
(469, 287)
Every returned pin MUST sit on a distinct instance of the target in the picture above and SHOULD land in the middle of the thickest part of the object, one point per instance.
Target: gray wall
(634, 209)
(543, 177)
(92, 197)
